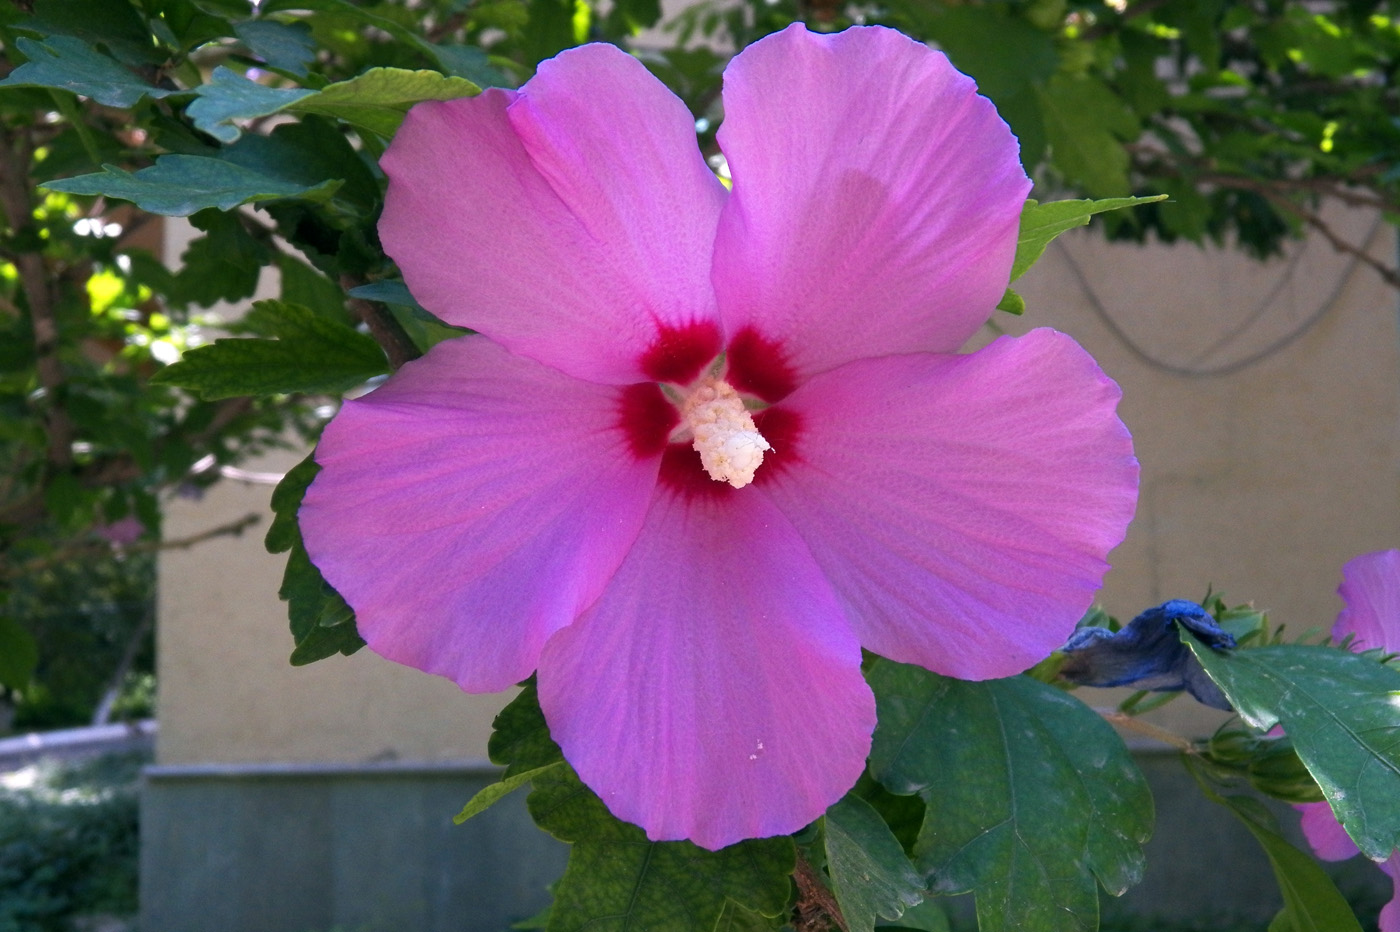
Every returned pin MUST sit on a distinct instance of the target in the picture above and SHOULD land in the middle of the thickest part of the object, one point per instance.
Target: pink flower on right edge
(1371, 588)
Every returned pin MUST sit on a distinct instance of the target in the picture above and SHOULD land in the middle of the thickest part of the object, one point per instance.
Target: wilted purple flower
(708, 444)
(1148, 653)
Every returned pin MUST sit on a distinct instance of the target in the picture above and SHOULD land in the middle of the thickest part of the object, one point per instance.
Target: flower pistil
(723, 432)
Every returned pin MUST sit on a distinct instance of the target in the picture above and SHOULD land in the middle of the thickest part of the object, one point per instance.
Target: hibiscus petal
(962, 506)
(1371, 588)
(714, 691)
(473, 505)
(571, 221)
(876, 199)
(1389, 920)
(1324, 833)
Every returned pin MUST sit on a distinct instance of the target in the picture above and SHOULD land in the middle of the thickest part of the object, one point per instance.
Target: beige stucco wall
(1260, 483)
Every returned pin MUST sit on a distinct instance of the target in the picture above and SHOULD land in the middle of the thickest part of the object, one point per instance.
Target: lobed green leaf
(870, 873)
(179, 185)
(69, 64)
(617, 879)
(1029, 795)
(229, 96)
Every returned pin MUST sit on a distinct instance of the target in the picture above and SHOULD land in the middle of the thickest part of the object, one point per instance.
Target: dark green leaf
(325, 642)
(117, 26)
(229, 96)
(520, 738)
(308, 152)
(470, 62)
(928, 916)
(179, 185)
(496, 792)
(423, 327)
(311, 602)
(70, 64)
(1007, 56)
(1029, 794)
(312, 354)
(618, 880)
(288, 47)
(870, 874)
(1086, 125)
(284, 533)
(1041, 223)
(19, 654)
(1311, 902)
(301, 284)
(378, 99)
(1339, 709)
(222, 265)
(737, 919)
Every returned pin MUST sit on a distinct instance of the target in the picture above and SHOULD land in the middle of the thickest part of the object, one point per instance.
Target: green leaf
(424, 328)
(70, 64)
(118, 26)
(928, 916)
(1086, 124)
(1041, 223)
(322, 623)
(496, 792)
(326, 642)
(309, 152)
(1029, 794)
(313, 354)
(1311, 902)
(287, 47)
(229, 96)
(618, 880)
(1007, 56)
(301, 284)
(520, 739)
(179, 185)
(378, 99)
(870, 874)
(19, 654)
(311, 602)
(1012, 303)
(1340, 710)
(735, 918)
(222, 265)
(284, 533)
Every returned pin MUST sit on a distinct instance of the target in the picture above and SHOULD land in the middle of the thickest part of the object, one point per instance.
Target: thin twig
(385, 329)
(817, 910)
(81, 551)
(1130, 723)
(15, 199)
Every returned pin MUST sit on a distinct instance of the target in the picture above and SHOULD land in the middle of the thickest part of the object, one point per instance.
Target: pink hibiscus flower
(1371, 589)
(707, 444)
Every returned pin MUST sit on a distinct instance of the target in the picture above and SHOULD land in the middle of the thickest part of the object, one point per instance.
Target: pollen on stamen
(731, 448)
